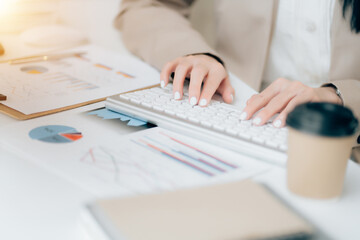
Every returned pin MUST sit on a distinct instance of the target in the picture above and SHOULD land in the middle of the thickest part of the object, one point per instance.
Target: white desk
(35, 204)
(338, 219)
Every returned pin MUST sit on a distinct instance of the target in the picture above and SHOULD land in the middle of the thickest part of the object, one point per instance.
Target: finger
(277, 104)
(181, 72)
(226, 90)
(197, 77)
(280, 121)
(166, 72)
(210, 86)
(258, 101)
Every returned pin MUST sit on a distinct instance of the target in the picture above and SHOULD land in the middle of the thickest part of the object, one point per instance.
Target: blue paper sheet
(108, 114)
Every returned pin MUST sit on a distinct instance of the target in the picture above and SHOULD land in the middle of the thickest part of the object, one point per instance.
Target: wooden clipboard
(21, 116)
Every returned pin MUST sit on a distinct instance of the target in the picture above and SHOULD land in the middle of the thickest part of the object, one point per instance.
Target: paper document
(106, 114)
(42, 86)
(99, 159)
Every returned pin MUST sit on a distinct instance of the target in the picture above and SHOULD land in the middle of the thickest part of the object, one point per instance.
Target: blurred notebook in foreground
(240, 210)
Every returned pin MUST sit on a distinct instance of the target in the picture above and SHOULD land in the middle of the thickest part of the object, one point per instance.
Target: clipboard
(21, 116)
(104, 72)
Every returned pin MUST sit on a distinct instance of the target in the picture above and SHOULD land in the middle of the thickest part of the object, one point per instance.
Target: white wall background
(92, 17)
(95, 18)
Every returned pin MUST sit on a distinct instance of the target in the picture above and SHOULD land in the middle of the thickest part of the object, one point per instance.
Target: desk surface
(38, 205)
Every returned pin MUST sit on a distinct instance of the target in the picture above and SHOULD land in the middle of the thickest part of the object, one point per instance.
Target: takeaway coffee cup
(321, 136)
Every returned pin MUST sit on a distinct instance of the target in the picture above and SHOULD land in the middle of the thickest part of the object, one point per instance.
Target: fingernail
(277, 123)
(232, 97)
(243, 116)
(203, 102)
(176, 95)
(257, 121)
(193, 101)
(162, 83)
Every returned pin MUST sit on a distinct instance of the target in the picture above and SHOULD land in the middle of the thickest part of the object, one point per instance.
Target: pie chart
(34, 69)
(55, 134)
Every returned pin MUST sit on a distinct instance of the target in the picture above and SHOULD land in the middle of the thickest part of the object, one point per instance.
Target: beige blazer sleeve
(345, 61)
(350, 93)
(159, 31)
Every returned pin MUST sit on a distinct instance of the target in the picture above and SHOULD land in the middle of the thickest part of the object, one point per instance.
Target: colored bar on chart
(125, 74)
(203, 171)
(202, 161)
(200, 151)
(102, 66)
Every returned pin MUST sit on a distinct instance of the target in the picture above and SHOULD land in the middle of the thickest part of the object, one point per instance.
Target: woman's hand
(281, 97)
(200, 69)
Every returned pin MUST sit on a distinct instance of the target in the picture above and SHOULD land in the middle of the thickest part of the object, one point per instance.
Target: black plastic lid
(324, 119)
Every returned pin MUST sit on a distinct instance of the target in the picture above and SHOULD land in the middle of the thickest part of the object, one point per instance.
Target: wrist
(335, 93)
(210, 55)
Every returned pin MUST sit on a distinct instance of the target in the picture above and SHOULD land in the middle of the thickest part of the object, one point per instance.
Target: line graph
(135, 174)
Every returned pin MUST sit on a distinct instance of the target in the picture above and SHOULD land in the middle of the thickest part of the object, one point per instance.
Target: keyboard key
(175, 102)
(166, 98)
(258, 139)
(230, 122)
(213, 102)
(190, 114)
(158, 108)
(271, 144)
(170, 112)
(233, 118)
(206, 123)
(283, 147)
(231, 131)
(156, 90)
(219, 127)
(180, 110)
(255, 130)
(152, 97)
(244, 135)
(123, 96)
(246, 123)
(146, 104)
(235, 114)
(135, 100)
(194, 119)
(181, 115)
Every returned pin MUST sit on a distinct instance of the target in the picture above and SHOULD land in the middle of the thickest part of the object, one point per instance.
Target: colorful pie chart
(34, 69)
(55, 134)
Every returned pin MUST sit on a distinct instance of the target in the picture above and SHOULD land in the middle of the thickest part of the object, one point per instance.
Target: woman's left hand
(282, 96)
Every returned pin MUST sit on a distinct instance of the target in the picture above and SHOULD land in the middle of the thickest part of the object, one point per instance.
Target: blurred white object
(53, 36)
(19, 15)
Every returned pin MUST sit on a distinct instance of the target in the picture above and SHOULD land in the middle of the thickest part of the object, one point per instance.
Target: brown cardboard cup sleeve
(321, 136)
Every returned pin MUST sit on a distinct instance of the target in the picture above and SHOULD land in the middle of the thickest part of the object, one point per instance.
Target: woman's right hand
(201, 69)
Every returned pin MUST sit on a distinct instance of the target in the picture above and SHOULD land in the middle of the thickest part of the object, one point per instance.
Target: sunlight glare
(6, 6)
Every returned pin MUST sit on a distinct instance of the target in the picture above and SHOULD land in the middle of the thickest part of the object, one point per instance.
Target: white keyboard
(218, 123)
